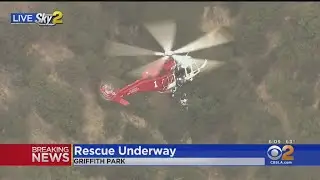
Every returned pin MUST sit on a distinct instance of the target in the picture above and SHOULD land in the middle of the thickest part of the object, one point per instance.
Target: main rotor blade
(164, 32)
(210, 64)
(213, 38)
(119, 49)
(151, 69)
(204, 64)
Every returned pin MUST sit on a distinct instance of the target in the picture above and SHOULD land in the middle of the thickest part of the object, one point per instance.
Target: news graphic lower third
(160, 155)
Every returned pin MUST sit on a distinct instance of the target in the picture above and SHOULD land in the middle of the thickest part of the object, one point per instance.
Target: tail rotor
(107, 91)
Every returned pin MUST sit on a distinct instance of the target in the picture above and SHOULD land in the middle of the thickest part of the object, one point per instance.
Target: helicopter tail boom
(109, 94)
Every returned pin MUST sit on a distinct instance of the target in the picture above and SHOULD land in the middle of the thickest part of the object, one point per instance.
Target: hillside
(269, 87)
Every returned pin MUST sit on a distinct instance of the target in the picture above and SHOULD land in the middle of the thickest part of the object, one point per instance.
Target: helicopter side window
(188, 70)
(180, 72)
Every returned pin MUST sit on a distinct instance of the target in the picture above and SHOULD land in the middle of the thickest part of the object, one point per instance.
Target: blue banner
(23, 18)
(274, 155)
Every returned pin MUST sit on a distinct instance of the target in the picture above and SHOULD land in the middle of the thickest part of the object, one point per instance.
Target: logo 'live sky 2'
(43, 19)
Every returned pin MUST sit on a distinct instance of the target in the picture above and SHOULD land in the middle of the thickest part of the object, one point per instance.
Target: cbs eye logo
(276, 153)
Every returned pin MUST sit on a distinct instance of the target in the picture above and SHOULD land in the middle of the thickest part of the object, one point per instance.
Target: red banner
(35, 154)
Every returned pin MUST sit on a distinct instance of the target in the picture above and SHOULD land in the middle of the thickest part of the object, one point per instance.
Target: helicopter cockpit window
(180, 72)
(188, 70)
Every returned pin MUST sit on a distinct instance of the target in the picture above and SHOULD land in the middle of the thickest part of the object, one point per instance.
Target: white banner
(168, 161)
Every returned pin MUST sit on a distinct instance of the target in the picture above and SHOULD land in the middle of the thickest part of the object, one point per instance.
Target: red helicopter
(169, 72)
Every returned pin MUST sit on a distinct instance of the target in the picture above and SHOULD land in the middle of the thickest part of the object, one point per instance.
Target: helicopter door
(169, 82)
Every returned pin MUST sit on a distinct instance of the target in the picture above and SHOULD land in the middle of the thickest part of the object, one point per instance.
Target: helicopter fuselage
(161, 79)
